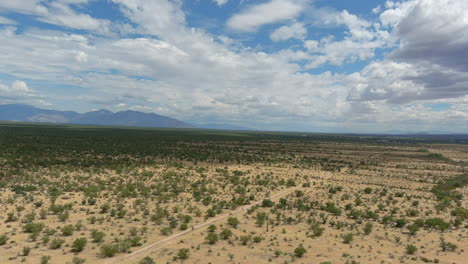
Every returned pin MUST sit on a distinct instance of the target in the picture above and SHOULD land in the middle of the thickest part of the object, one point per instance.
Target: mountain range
(27, 113)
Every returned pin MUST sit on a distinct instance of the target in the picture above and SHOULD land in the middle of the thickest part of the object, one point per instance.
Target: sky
(364, 66)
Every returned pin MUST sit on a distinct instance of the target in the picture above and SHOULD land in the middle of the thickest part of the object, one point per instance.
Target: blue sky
(297, 65)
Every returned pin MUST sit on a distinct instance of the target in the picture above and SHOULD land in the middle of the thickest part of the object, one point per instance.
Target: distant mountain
(26, 113)
(222, 126)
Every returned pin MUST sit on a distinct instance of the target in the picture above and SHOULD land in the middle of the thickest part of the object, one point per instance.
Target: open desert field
(82, 194)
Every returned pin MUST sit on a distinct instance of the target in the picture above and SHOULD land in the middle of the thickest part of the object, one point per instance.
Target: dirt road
(146, 250)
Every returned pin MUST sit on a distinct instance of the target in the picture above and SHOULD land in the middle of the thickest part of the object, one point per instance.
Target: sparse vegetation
(300, 193)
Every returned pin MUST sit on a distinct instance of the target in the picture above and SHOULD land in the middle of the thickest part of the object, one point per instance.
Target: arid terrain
(77, 194)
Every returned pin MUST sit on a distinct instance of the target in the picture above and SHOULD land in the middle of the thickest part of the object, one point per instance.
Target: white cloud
(274, 11)
(296, 30)
(221, 2)
(19, 92)
(6, 21)
(162, 18)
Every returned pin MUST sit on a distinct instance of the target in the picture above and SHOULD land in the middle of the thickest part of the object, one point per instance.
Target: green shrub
(45, 259)
(3, 239)
(56, 243)
(447, 246)
(33, 227)
(257, 239)
(233, 221)
(300, 251)
(411, 249)
(182, 254)
(26, 251)
(97, 236)
(68, 230)
(347, 238)
(211, 238)
(225, 234)
(368, 228)
(109, 250)
(79, 244)
(147, 260)
(77, 260)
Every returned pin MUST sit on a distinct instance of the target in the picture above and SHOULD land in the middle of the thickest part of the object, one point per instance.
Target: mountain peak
(26, 113)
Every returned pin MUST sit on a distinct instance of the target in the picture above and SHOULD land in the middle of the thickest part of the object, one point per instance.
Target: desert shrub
(225, 234)
(233, 221)
(11, 217)
(400, 223)
(368, 190)
(245, 239)
(257, 239)
(147, 260)
(56, 243)
(460, 212)
(211, 238)
(45, 259)
(33, 227)
(437, 223)
(347, 238)
(97, 236)
(26, 251)
(109, 250)
(447, 246)
(411, 249)
(331, 208)
(260, 218)
(68, 230)
(165, 231)
(3, 239)
(79, 244)
(413, 228)
(212, 228)
(77, 260)
(316, 229)
(368, 228)
(182, 254)
(267, 203)
(299, 251)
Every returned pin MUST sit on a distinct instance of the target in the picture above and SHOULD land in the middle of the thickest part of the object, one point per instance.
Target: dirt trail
(146, 250)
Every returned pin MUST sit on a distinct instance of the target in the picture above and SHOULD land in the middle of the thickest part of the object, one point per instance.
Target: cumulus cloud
(193, 75)
(427, 64)
(274, 11)
(296, 30)
(19, 92)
